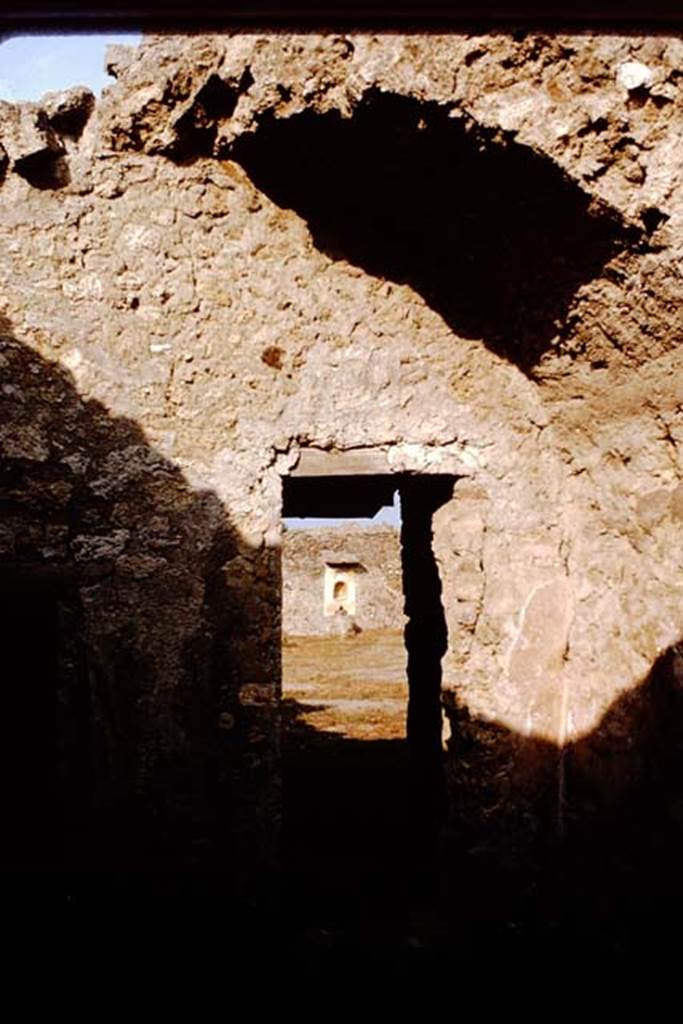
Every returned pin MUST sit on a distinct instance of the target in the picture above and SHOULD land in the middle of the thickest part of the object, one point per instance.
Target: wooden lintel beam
(357, 462)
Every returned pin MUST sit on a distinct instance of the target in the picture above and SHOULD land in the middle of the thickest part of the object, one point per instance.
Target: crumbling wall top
(597, 104)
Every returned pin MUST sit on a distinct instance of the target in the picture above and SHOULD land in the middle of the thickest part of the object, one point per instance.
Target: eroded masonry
(453, 260)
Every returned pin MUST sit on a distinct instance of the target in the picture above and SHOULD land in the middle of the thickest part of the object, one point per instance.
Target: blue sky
(36, 64)
(389, 514)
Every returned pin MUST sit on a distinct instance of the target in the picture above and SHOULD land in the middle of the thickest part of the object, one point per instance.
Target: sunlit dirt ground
(353, 686)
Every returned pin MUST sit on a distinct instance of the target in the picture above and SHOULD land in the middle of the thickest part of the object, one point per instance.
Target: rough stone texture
(68, 111)
(379, 596)
(174, 337)
(26, 132)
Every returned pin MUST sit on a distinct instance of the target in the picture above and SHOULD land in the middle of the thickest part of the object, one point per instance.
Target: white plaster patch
(88, 286)
(73, 359)
(455, 457)
(512, 108)
(634, 75)
(139, 236)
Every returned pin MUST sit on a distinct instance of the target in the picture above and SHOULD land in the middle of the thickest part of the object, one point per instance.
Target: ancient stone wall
(379, 590)
(462, 250)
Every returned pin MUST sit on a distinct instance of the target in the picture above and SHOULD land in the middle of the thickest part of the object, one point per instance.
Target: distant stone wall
(379, 594)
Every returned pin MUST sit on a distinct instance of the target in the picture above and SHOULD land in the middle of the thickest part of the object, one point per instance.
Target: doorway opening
(363, 636)
(46, 752)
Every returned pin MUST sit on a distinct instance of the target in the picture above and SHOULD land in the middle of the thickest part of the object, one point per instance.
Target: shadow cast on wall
(493, 236)
(594, 829)
(129, 614)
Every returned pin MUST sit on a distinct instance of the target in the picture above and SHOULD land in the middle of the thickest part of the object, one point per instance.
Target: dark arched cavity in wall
(493, 236)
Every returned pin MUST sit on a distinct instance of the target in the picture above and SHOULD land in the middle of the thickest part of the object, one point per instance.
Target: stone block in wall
(26, 132)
